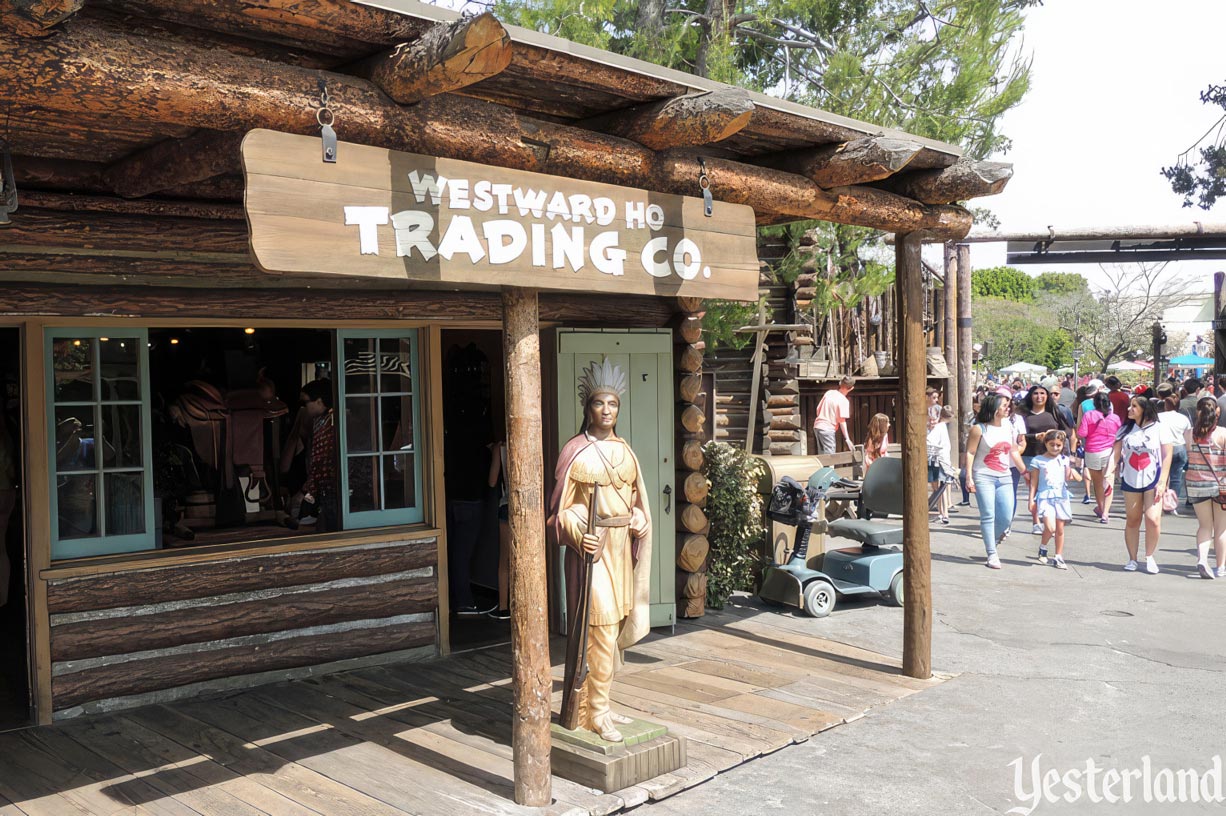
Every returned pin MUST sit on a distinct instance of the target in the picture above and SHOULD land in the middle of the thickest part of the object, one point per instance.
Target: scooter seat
(866, 531)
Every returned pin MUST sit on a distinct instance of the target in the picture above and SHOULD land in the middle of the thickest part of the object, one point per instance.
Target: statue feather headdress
(602, 378)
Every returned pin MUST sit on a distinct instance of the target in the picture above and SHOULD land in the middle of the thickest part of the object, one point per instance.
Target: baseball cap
(1049, 382)
(1093, 387)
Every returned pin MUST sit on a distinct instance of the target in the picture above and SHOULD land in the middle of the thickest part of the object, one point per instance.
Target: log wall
(139, 631)
(691, 495)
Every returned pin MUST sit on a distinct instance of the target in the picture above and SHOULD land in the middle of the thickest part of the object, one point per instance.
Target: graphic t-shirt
(1053, 483)
(995, 448)
(1142, 451)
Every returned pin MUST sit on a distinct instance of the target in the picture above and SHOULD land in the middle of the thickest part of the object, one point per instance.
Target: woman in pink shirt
(1098, 428)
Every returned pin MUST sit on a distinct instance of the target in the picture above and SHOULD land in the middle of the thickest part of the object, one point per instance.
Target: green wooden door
(645, 421)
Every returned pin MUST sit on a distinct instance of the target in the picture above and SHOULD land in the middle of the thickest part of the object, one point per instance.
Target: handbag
(1220, 498)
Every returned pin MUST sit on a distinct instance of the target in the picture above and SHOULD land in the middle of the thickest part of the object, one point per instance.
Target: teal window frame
(101, 544)
(378, 518)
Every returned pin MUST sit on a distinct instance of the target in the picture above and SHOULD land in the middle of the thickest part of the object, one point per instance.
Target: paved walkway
(1092, 663)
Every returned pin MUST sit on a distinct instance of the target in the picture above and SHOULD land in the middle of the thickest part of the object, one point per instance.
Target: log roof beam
(36, 18)
(147, 79)
(962, 180)
(450, 56)
(176, 162)
(684, 121)
(859, 161)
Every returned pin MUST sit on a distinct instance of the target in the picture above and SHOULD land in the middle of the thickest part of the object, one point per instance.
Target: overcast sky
(1114, 98)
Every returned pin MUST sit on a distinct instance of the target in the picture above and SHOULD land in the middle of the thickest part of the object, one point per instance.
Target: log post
(917, 600)
(966, 374)
(692, 546)
(952, 394)
(532, 679)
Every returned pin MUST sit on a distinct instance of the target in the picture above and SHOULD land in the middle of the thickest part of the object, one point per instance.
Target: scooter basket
(789, 502)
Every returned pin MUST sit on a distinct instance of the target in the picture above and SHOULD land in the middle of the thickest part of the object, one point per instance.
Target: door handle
(668, 498)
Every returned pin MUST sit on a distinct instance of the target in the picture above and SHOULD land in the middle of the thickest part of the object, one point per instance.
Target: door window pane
(72, 365)
(397, 430)
(364, 484)
(399, 490)
(120, 368)
(75, 438)
(395, 365)
(121, 440)
(76, 500)
(361, 366)
(361, 425)
(125, 508)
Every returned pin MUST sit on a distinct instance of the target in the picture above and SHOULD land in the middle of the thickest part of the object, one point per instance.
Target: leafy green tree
(942, 69)
(1203, 183)
(1008, 332)
(1060, 284)
(1002, 282)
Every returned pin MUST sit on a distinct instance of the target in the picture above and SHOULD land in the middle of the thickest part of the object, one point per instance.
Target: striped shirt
(1204, 457)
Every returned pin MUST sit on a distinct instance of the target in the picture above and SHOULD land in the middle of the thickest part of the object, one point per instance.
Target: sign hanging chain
(325, 117)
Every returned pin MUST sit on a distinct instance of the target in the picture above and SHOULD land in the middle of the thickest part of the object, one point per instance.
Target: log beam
(963, 179)
(36, 18)
(162, 81)
(175, 162)
(447, 57)
(178, 209)
(686, 121)
(120, 233)
(859, 161)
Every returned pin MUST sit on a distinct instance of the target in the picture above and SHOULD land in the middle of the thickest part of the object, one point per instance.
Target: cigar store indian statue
(597, 469)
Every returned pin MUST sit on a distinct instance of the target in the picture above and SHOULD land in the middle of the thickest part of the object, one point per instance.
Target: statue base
(648, 751)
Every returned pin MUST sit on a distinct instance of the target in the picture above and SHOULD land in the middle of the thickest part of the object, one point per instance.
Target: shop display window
(178, 437)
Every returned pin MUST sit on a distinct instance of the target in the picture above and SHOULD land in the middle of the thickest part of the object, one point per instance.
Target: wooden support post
(966, 374)
(532, 680)
(952, 394)
(917, 603)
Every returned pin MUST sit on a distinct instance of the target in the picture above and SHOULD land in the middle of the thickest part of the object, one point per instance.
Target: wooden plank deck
(434, 738)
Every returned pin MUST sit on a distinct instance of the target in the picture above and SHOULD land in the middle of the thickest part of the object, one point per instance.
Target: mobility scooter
(873, 566)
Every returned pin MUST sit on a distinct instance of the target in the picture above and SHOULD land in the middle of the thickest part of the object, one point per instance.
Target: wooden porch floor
(434, 738)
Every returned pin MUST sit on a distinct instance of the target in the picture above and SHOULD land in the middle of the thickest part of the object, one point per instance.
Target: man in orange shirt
(833, 412)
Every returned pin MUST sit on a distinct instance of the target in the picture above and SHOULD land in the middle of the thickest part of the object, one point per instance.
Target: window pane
(77, 507)
(361, 367)
(75, 438)
(363, 483)
(397, 423)
(398, 482)
(125, 507)
(360, 425)
(121, 437)
(73, 366)
(120, 368)
(394, 363)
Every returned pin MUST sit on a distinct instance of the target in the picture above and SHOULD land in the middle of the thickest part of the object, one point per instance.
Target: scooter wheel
(896, 590)
(819, 598)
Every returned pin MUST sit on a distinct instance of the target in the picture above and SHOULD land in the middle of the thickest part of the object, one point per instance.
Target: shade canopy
(1024, 368)
(1191, 360)
(1127, 365)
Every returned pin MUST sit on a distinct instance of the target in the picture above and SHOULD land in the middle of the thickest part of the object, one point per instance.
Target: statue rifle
(576, 641)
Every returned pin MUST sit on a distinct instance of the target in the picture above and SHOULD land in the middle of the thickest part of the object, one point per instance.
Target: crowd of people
(1164, 449)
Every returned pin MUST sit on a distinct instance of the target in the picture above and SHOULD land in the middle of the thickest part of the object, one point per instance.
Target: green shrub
(734, 509)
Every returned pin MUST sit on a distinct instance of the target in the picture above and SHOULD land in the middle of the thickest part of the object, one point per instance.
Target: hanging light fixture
(8, 185)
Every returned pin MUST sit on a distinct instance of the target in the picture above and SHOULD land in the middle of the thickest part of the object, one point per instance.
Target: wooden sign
(380, 213)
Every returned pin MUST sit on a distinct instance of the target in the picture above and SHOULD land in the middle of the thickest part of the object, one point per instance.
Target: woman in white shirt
(1143, 456)
(991, 449)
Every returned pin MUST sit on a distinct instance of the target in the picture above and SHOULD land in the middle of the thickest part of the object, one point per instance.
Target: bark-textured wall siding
(136, 631)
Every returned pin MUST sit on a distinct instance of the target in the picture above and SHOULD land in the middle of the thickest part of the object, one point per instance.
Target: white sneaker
(1131, 566)
(1059, 562)
(1221, 572)
(1151, 566)
(994, 562)
(1203, 569)
(1036, 529)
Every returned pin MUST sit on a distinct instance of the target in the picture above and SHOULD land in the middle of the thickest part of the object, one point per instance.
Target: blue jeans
(1179, 463)
(995, 495)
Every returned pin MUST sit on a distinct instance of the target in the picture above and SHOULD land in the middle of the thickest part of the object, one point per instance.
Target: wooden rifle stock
(576, 638)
